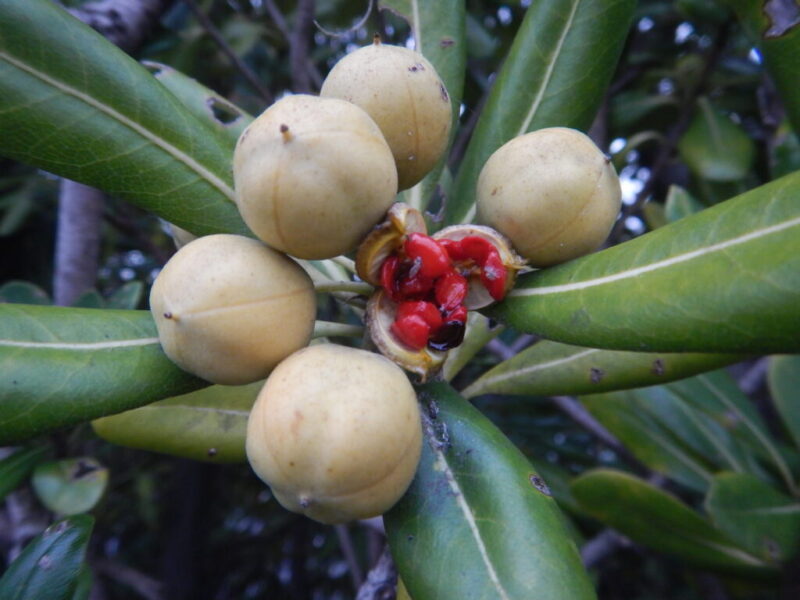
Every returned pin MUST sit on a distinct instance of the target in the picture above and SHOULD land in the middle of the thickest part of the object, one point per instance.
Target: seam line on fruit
(549, 71)
(80, 345)
(182, 316)
(662, 264)
(441, 464)
(181, 156)
(525, 371)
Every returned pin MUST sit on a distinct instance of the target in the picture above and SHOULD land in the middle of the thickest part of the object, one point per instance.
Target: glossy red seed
(493, 275)
(412, 330)
(389, 277)
(458, 314)
(415, 287)
(477, 248)
(427, 310)
(450, 290)
(435, 261)
(453, 248)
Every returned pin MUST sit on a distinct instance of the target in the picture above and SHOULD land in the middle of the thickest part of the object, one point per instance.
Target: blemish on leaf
(212, 452)
(783, 15)
(539, 484)
(83, 468)
(658, 367)
(45, 562)
(410, 538)
(596, 375)
(772, 549)
(446, 42)
(224, 113)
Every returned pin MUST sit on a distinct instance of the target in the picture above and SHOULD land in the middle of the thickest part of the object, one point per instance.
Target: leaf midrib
(151, 136)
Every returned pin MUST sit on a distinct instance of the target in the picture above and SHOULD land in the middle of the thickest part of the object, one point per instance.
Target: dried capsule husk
(405, 96)
(336, 433)
(386, 238)
(381, 313)
(313, 176)
(552, 192)
(228, 308)
(478, 296)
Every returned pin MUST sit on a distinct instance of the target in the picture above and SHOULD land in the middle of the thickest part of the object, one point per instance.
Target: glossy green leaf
(784, 383)
(63, 366)
(691, 429)
(222, 117)
(22, 292)
(70, 486)
(755, 515)
(74, 104)
(83, 585)
(660, 521)
(50, 566)
(209, 424)
(16, 467)
(477, 521)
(726, 279)
(439, 31)
(680, 203)
(773, 26)
(716, 148)
(555, 74)
(550, 368)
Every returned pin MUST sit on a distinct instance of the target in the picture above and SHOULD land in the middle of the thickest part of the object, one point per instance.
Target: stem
(331, 329)
(345, 262)
(356, 287)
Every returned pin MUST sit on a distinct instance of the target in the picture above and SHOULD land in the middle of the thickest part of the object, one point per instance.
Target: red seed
(450, 289)
(416, 287)
(412, 330)
(493, 275)
(435, 261)
(477, 248)
(427, 310)
(453, 248)
(389, 277)
(458, 314)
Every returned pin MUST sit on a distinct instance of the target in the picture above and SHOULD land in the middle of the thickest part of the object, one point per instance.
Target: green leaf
(50, 566)
(17, 466)
(22, 292)
(775, 31)
(555, 74)
(680, 203)
(71, 486)
(716, 148)
(74, 104)
(550, 368)
(477, 521)
(755, 515)
(439, 33)
(223, 118)
(662, 522)
(726, 279)
(126, 297)
(63, 366)
(208, 425)
(784, 383)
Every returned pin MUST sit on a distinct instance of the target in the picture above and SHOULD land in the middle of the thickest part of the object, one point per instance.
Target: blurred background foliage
(690, 119)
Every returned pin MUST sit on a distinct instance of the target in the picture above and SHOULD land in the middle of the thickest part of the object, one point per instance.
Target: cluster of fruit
(335, 431)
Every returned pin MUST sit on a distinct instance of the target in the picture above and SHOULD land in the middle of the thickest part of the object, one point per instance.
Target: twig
(346, 543)
(80, 216)
(215, 34)
(299, 46)
(381, 580)
(144, 585)
(673, 136)
(753, 378)
(603, 544)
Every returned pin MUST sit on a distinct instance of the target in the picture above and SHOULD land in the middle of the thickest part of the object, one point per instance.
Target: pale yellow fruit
(335, 433)
(228, 308)
(312, 176)
(403, 93)
(552, 192)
